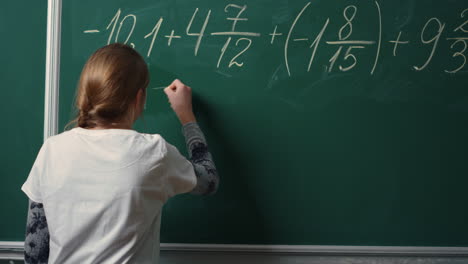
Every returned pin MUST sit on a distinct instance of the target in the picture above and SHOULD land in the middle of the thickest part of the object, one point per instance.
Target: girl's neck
(120, 125)
(113, 127)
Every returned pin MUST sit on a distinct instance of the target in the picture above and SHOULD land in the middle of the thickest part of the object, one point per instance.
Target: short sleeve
(180, 175)
(31, 186)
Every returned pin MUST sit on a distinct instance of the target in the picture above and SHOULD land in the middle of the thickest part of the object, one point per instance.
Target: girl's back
(103, 191)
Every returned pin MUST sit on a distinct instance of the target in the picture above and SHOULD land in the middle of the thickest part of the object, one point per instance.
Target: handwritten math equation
(344, 59)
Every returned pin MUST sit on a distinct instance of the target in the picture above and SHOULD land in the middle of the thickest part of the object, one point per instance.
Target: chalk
(159, 88)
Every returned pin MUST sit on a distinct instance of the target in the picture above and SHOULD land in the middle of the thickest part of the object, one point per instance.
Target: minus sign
(301, 39)
(91, 31)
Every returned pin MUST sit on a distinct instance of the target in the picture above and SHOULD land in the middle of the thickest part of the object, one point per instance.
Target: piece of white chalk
(158, 88)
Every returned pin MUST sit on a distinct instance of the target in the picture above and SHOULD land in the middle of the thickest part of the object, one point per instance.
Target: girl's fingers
(170, 88)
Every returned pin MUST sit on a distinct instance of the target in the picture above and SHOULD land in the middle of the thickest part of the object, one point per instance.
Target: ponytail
(108, 85)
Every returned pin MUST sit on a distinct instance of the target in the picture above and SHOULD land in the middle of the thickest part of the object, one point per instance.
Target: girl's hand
(180, 97)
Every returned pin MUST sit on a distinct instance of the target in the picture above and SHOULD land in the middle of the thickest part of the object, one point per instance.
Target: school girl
(97, 191)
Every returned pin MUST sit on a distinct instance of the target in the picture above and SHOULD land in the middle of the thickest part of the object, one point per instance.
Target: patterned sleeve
(205, 170)
(36, 244)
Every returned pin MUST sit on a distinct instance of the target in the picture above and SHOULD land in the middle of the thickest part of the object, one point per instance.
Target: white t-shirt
(103, 192)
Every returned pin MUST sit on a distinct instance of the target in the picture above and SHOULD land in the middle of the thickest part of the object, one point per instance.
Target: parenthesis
(286, 44)
(380, 38)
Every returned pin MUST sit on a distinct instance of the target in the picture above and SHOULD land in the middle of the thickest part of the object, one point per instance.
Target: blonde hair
(108, 86)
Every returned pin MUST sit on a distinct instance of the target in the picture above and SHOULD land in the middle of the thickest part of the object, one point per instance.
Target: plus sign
(397, 42)
(274, 34)
(170, 37)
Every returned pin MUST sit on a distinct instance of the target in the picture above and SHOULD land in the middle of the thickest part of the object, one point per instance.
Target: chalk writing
(344, 58)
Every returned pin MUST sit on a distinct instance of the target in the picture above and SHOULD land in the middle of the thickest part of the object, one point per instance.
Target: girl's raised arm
(205, 170)
(180, 97)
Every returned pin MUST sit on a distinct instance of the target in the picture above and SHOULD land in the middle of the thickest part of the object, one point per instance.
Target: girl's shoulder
(80, 135)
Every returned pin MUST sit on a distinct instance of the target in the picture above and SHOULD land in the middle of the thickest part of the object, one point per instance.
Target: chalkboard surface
(331, 122)
(22, 70)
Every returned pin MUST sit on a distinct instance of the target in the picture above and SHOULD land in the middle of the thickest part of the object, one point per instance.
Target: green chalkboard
(22, 70)
(331, 122)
